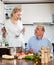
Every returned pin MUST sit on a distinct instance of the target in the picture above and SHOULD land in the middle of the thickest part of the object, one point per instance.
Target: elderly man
(38, 40)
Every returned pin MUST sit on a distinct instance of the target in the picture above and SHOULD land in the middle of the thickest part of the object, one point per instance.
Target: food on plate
(8, 56)
(29, 57)
(22, 55)
(17, 54)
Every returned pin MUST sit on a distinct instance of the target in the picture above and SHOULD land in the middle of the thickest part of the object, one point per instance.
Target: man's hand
(31, 50)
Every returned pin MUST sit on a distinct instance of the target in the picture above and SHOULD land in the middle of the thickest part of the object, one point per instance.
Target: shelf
(43, 23)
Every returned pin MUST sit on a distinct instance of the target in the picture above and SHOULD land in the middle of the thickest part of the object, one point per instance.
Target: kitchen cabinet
(33, 13)
(36, 13)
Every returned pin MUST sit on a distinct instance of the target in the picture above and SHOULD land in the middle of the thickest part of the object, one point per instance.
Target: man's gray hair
(43, 28)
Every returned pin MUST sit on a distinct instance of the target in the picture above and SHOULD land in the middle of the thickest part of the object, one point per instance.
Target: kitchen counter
(21, 62)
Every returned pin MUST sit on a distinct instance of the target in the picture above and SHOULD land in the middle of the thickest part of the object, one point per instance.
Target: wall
(10, 7)
(2, 15)
(52, 8)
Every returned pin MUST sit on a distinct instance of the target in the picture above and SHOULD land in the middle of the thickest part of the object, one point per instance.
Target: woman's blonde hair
(15, 10)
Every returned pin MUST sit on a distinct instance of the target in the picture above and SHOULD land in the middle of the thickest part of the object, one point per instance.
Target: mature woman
(14, 29)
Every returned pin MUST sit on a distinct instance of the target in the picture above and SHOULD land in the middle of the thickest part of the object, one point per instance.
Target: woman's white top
(14, 30)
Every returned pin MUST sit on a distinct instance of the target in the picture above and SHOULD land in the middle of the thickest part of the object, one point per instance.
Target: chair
(53, 47)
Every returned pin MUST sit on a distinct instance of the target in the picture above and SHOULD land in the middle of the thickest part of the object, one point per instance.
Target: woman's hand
(3, 32)
(23, 30)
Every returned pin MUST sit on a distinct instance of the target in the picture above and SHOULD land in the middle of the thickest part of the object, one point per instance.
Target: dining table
(22, 62)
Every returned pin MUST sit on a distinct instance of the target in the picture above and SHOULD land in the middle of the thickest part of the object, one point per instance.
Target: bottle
(14, 50)
(6, 44)
(0, 44)
(3, 43)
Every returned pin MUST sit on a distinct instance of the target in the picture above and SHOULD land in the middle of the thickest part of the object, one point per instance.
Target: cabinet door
(2, 14)
(37, 13)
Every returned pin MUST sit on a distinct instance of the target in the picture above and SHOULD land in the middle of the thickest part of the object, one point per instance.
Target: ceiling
(20, 1)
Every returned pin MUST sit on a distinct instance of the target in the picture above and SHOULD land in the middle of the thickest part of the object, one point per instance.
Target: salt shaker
(46, 56)
(48, 53)
(42, 57)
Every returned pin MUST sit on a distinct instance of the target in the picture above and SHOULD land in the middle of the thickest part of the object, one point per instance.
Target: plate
(8, 57)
